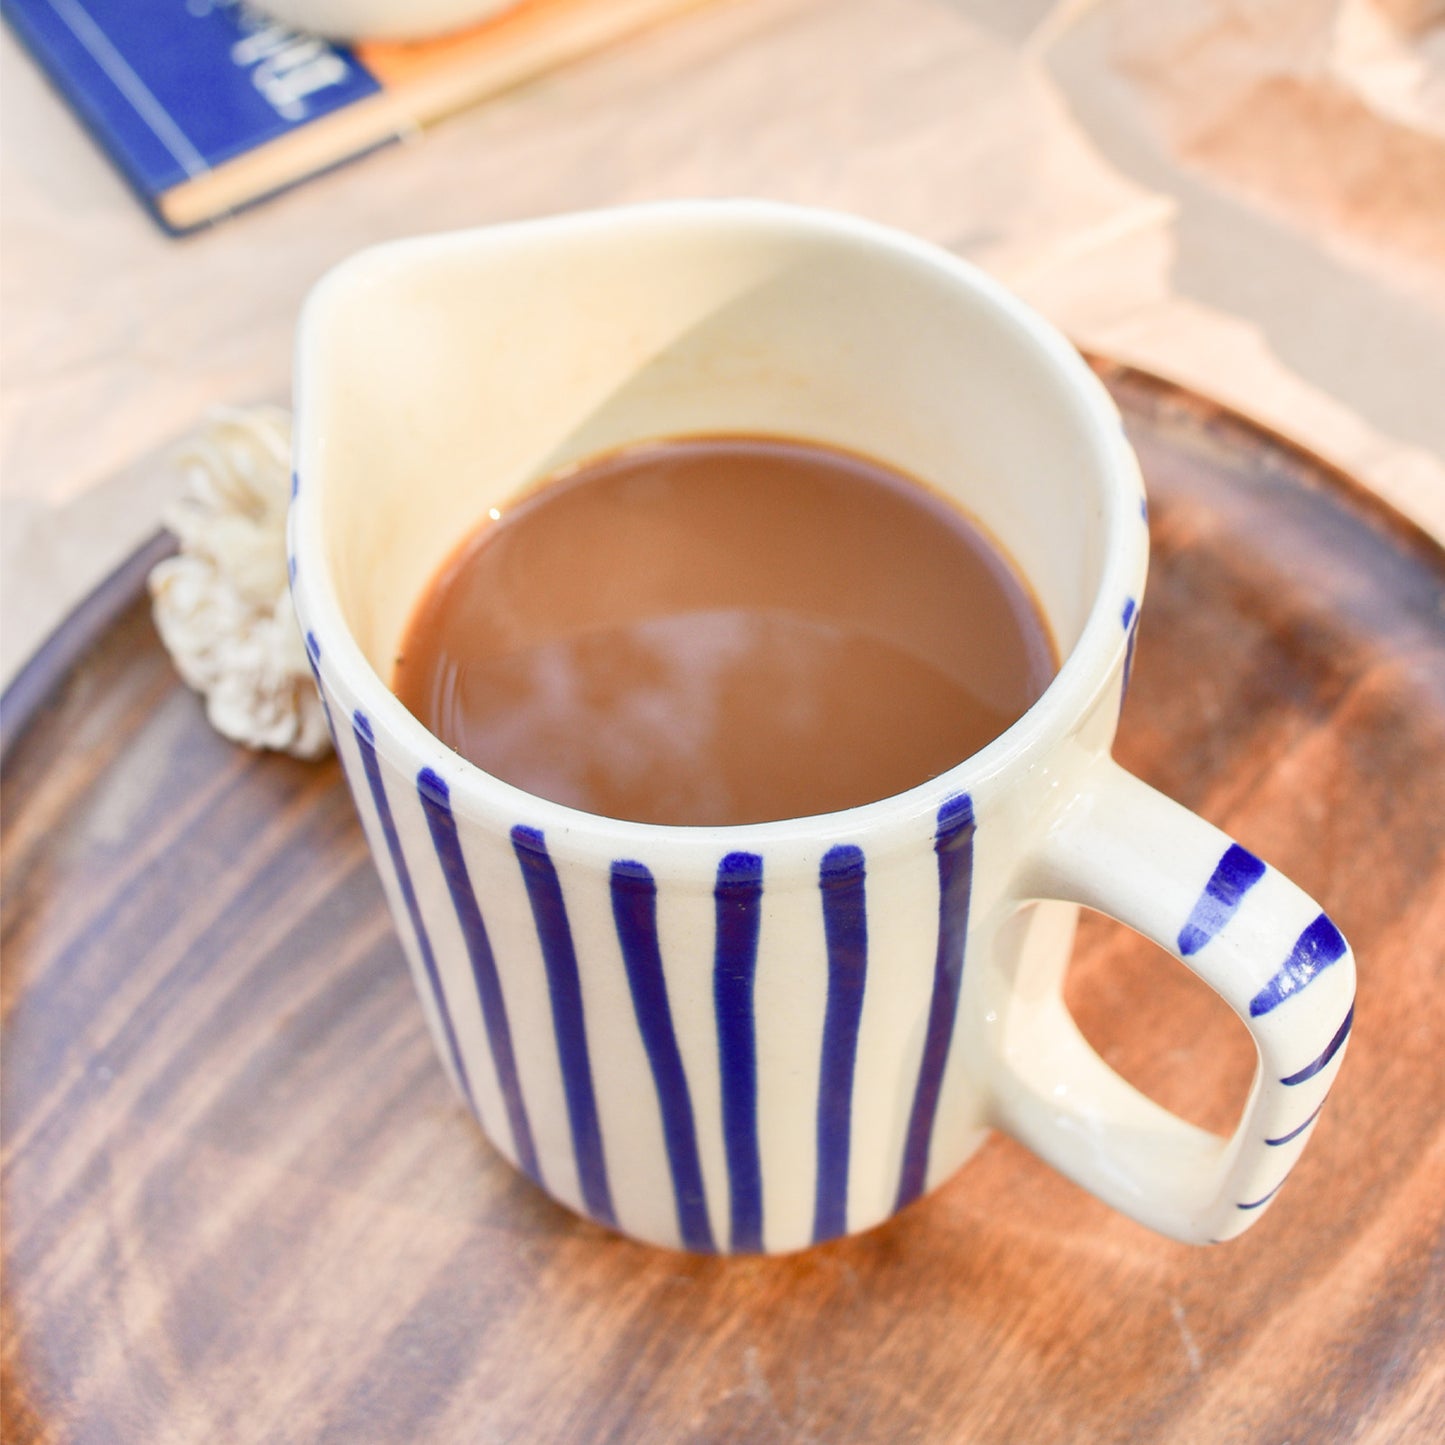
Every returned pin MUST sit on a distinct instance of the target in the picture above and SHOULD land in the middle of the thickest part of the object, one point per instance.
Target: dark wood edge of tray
(1372, 510)
(53, 661)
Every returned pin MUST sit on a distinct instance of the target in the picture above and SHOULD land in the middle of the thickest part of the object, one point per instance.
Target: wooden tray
(240, 1203)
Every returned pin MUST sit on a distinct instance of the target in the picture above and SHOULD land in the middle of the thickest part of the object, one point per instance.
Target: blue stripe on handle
(954, 845)
(437, 805)
(1264, 1199)
(845, 924)
(549, 912)
(1315, 949)
(1234, 875)
(366, 744)
(737, 896)
(634, 909)
(1299, 1129)
(1331, 1049)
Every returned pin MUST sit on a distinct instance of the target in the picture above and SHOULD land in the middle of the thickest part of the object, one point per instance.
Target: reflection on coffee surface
(721, 630)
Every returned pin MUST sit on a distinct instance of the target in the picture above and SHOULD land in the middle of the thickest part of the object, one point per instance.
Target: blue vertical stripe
(845, 925)
(737, 896)
(313, 658)
(1130, 619)
(437, 805)
(366, 743)
(554, 932)
(953, 843)
(1234, 875)
(634, 909)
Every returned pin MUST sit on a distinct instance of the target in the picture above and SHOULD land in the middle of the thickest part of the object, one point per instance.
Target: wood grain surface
(240, 1203)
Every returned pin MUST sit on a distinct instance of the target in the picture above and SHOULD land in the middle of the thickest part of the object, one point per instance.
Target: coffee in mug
(723, 630)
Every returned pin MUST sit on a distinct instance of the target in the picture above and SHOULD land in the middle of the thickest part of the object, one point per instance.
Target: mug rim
(1069, 697)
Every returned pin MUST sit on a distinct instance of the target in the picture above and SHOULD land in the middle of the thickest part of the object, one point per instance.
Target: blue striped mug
(756, 1038)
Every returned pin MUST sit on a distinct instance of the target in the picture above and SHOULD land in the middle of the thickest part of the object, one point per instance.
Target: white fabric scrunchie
(222, 605)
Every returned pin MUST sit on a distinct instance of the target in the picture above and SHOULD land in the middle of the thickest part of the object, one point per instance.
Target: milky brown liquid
(723, 630)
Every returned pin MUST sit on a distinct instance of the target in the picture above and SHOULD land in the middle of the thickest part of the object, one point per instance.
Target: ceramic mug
(760, 1037)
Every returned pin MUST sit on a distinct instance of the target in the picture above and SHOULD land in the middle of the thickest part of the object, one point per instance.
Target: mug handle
(1258, 941)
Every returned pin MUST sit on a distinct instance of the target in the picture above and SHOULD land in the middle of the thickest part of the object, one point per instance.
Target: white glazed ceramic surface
(753, 1038)
(383, 19)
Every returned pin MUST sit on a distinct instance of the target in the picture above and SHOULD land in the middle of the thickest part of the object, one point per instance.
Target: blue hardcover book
(209, 105)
